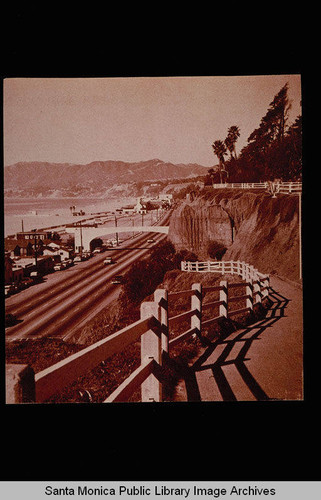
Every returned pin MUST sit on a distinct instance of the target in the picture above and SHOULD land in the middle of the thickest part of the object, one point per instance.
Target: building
(166, 197)
(63, 252)
(18, 248)
(140, 207)
(13, 273)
(8, 264)
(17, 274)
(128, 209)
(36, 235)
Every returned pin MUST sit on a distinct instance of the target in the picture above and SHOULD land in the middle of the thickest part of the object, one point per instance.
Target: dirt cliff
(253, 226)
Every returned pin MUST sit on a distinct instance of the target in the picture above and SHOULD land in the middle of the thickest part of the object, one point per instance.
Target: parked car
(10, 319)
(8, 289)
(26, 282)
(11, 288)
(117, 280)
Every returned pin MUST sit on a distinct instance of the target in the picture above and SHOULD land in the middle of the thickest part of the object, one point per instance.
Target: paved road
(261, 362)
(62, 304)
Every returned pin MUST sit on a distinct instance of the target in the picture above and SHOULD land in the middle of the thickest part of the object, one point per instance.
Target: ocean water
(45, 212)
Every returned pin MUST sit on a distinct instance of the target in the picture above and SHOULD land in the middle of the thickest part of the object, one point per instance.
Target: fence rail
(153, 331)
(244, 270)
(281, 187)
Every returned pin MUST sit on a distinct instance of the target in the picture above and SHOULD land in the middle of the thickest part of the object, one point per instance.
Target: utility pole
(300, 236)
(116, 231)
(80, 238)
(36, 262)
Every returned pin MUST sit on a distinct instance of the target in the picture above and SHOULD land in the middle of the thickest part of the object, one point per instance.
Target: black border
(181, 441)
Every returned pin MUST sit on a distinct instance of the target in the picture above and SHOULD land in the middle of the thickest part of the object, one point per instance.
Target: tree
(233, 134)
(211, 174)
(219, 149)
(278, 112)
(271, 149)
(294, 149)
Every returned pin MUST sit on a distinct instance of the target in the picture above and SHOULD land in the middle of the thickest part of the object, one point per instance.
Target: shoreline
(20, 209)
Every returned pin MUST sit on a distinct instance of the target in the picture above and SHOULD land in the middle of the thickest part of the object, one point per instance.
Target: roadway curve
(68, 299)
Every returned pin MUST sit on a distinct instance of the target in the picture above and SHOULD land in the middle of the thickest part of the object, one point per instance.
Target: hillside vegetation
(273, 149)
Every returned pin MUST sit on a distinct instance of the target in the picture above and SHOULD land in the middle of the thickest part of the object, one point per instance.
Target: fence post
(257, 290)
(243, 270)
(223, 308)
(247, 272)
(249, 292)
(20, 384)
(151, 348)
(196, 303)
(161, 299)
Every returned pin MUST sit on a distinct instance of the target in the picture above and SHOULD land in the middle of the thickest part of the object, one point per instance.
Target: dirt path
(260, 362)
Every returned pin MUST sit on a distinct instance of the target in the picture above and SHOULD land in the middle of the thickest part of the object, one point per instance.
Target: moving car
(108, 260)
(117, 280)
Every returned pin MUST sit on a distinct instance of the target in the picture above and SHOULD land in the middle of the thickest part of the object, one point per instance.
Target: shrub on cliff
(216, 250)
(144, 276)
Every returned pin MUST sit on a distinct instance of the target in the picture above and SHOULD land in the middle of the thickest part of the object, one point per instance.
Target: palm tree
(211, 173)
(233, 134)
(219, 149)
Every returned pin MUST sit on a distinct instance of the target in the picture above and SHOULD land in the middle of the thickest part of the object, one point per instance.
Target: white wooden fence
(152, 329)
(281, 187)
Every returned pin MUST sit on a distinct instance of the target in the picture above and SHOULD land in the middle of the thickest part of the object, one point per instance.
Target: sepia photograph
(153, 239)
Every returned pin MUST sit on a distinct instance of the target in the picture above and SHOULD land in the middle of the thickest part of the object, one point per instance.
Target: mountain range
(43, 178)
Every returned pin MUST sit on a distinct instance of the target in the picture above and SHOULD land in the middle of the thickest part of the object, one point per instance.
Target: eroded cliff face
(193, 225)
(255, 228)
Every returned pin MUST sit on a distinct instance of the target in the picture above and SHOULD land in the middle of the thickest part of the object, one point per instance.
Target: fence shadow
(247, 336)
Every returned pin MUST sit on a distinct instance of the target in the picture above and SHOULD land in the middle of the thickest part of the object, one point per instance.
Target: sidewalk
(263, 361)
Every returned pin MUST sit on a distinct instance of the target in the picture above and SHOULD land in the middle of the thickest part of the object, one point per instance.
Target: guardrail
(280, 187)
(153, 331)
(244, 270)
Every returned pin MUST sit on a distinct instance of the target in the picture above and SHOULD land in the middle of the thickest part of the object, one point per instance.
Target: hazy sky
(176, 119)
